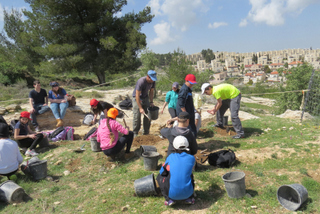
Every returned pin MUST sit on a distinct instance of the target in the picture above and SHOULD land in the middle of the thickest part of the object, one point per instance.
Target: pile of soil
(145, 140)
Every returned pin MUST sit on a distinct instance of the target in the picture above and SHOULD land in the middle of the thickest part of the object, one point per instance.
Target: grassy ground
(275, 152)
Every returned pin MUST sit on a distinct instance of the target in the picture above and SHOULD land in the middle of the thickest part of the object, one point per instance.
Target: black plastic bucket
(145, 186)
(11, 192)
(95, 145)
(153, 112)
(225, 120)
(36, 168)
(235, 184)
(150, 160)
(147, 149)
(292, 196)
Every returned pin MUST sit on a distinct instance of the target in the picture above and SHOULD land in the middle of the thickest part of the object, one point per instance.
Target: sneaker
(31, 153)
(169, 203)
(238, 136)
(111, 158)
(37, 129)
(219, 126)
(190, 201)
(24, 149)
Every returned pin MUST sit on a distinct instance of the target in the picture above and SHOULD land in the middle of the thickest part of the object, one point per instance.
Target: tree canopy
(78, 35)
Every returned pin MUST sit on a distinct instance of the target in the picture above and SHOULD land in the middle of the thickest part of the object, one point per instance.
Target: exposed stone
(66, 173)
(290, 114)
(2, 110)
(13, 107)
(159, 92)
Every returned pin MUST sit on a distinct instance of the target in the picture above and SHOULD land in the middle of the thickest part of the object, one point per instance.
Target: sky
(222, 25)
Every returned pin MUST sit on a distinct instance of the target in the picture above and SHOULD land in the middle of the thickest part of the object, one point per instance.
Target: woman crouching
(108, 136)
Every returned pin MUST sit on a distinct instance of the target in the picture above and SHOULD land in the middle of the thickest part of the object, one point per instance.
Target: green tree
(267, 69)
(87, 36)
(286, 65)
(297, 79)
(17, 53)
(208, 55)
(149, 60)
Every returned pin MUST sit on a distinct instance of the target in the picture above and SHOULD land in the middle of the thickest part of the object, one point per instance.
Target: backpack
(71, 99)
(88, 119)
(54, 133)
(222, 158)
(69, 133)
(91, 133)
(13, 123)
(60, 136)
(126, 104)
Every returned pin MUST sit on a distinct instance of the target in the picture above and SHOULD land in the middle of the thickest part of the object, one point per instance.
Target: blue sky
(223, 25)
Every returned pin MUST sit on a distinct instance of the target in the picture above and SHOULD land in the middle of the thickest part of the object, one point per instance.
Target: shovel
(146, 116)
(81, 149)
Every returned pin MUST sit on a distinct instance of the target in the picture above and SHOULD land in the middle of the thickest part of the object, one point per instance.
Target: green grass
(96, 187)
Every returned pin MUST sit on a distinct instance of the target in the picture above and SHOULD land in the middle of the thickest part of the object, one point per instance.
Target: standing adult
(171, 100)
(142, 99)
(58, 101)
(227, 96)
(10, 157)
(38, 101)
(185, 101)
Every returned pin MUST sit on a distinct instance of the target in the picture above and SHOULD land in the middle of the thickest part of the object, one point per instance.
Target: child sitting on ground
(176, 178)
(108, 136)
(27, 139)
(10, 157)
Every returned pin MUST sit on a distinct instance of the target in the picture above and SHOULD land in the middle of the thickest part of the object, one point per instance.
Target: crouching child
(176, 179)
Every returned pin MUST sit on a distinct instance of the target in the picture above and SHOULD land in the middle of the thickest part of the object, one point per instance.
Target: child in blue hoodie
(176, 178)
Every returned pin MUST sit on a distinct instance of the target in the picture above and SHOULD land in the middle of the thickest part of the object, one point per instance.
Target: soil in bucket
(153, 112)
(11, 192)
(147, 149)
(235, 184)
(150, 160)
(145, 186)
(292, 196)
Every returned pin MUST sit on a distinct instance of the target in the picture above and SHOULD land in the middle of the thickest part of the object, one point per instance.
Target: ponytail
(111, 135)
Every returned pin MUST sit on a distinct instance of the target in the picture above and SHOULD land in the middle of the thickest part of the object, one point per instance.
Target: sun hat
(25, 114)
(181, 143)
(94, 102)
(153, 75)
(191, 79)
(175, 85)
(54, 84)
(204, 86)
(112, 113)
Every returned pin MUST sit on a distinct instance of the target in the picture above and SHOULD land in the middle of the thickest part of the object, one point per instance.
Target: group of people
(175, 178)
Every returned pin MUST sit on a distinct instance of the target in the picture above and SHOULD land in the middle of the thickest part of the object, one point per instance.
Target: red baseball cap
(191, 79)
(25, 114)
(94, 102)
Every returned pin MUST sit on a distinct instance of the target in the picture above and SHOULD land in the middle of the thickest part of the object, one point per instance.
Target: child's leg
(36, 141)
(126, 140)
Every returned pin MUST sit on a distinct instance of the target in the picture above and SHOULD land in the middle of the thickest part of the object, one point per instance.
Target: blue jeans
(38, 109)
(55, 109)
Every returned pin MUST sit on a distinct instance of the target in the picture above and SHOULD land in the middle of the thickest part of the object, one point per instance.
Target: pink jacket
(103, 133)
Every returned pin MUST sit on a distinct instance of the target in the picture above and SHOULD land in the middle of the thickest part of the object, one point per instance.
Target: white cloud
(180, 13)
(273, 12)
(243, 23)
(217, 24)
(163, 34)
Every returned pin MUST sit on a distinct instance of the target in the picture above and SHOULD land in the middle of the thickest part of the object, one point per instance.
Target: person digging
(227, 96)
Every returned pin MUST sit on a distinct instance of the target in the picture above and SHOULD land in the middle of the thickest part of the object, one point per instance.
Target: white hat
(204, 86)
(181, 143)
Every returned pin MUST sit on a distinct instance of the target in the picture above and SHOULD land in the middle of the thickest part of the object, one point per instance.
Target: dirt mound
(145, 140)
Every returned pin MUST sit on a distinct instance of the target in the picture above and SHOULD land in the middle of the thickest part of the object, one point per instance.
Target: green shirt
(225, 91)
(171, 99)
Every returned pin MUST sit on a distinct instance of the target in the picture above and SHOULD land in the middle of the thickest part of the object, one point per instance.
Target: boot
(128, 156)
(59, 123)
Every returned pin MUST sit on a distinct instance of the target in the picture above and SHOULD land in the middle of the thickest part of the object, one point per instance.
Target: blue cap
(153, 75)
(54, 84)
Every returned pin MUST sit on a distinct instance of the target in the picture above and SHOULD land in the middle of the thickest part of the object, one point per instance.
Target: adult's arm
(46, 101)
(216, 107)
(31, 105)
(182, 97)
(165, 132)
(138, 93)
